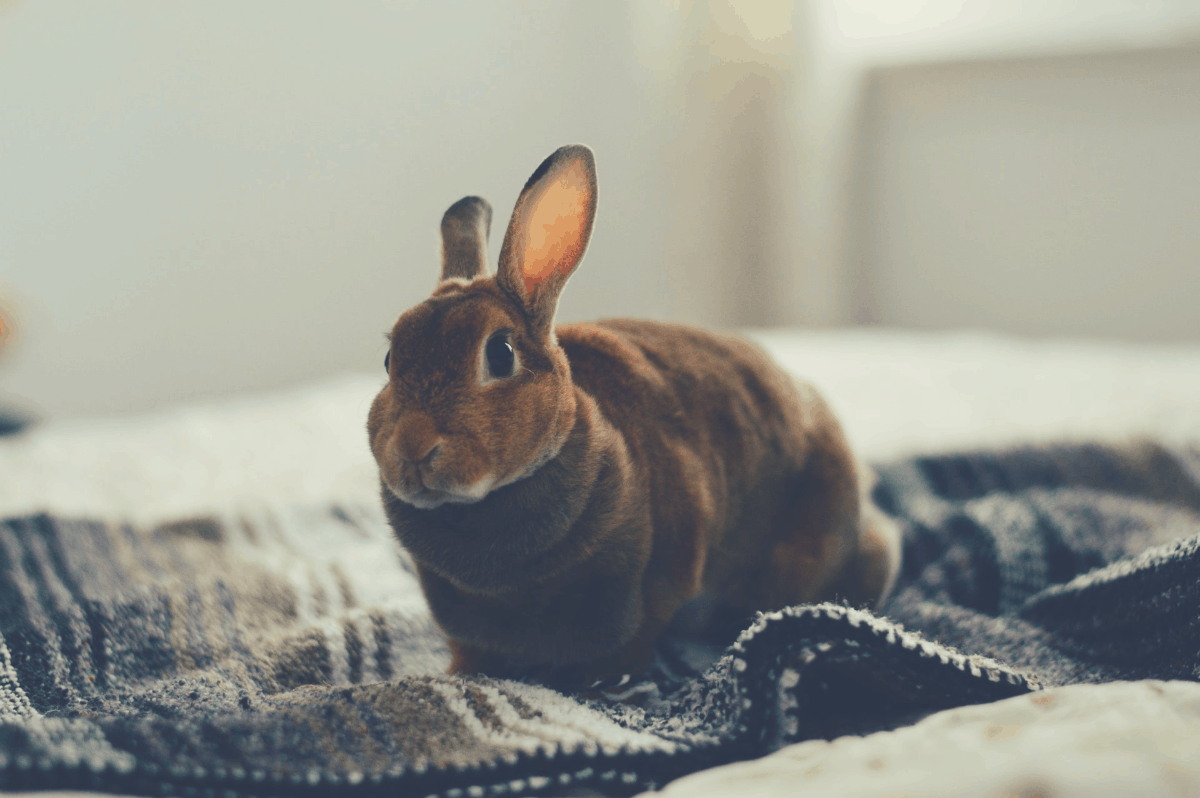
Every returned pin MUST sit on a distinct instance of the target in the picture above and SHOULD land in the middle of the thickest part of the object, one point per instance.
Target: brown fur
(623, 468)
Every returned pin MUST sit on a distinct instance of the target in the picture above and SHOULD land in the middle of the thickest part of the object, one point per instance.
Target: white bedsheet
(897, 393)
(1130, 739)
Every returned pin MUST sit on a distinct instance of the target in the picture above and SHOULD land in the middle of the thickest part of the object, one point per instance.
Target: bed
(189, 480)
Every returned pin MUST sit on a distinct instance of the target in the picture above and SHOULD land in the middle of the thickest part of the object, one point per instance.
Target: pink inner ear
(556, 228)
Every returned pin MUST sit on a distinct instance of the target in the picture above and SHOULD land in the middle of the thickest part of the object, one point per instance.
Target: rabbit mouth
(424, 497)
(421, 498)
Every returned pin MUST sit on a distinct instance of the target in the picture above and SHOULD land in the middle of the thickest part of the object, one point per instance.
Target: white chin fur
(428, 499)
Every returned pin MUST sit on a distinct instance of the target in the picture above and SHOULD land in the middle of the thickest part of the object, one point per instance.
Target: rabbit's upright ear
(549, 232)
(464, 238)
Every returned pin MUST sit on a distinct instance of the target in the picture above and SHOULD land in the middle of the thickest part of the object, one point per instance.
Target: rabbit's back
(721, 437)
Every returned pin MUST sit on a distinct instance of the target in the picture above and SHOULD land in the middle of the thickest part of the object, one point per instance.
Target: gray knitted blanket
(289, 652)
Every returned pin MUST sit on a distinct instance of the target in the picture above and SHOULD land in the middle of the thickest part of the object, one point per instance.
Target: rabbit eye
(387, 360)
(500, 356)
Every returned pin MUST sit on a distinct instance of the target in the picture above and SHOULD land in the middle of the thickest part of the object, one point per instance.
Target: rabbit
(564, 490)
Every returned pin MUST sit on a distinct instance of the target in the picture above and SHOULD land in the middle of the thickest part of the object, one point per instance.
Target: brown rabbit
(564, 491)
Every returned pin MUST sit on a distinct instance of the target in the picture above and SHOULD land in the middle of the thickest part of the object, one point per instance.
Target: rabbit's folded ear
(464, 238)
(549, 232)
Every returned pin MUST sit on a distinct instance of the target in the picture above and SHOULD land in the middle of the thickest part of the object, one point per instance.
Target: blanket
(288, 651)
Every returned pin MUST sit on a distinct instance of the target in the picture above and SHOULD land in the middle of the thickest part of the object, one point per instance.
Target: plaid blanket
(288, 651)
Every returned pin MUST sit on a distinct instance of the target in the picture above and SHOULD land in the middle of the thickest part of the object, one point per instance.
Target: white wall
(202, 198)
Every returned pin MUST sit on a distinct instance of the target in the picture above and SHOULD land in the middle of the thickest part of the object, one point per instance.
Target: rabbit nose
(417, 438)
(427, 458)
